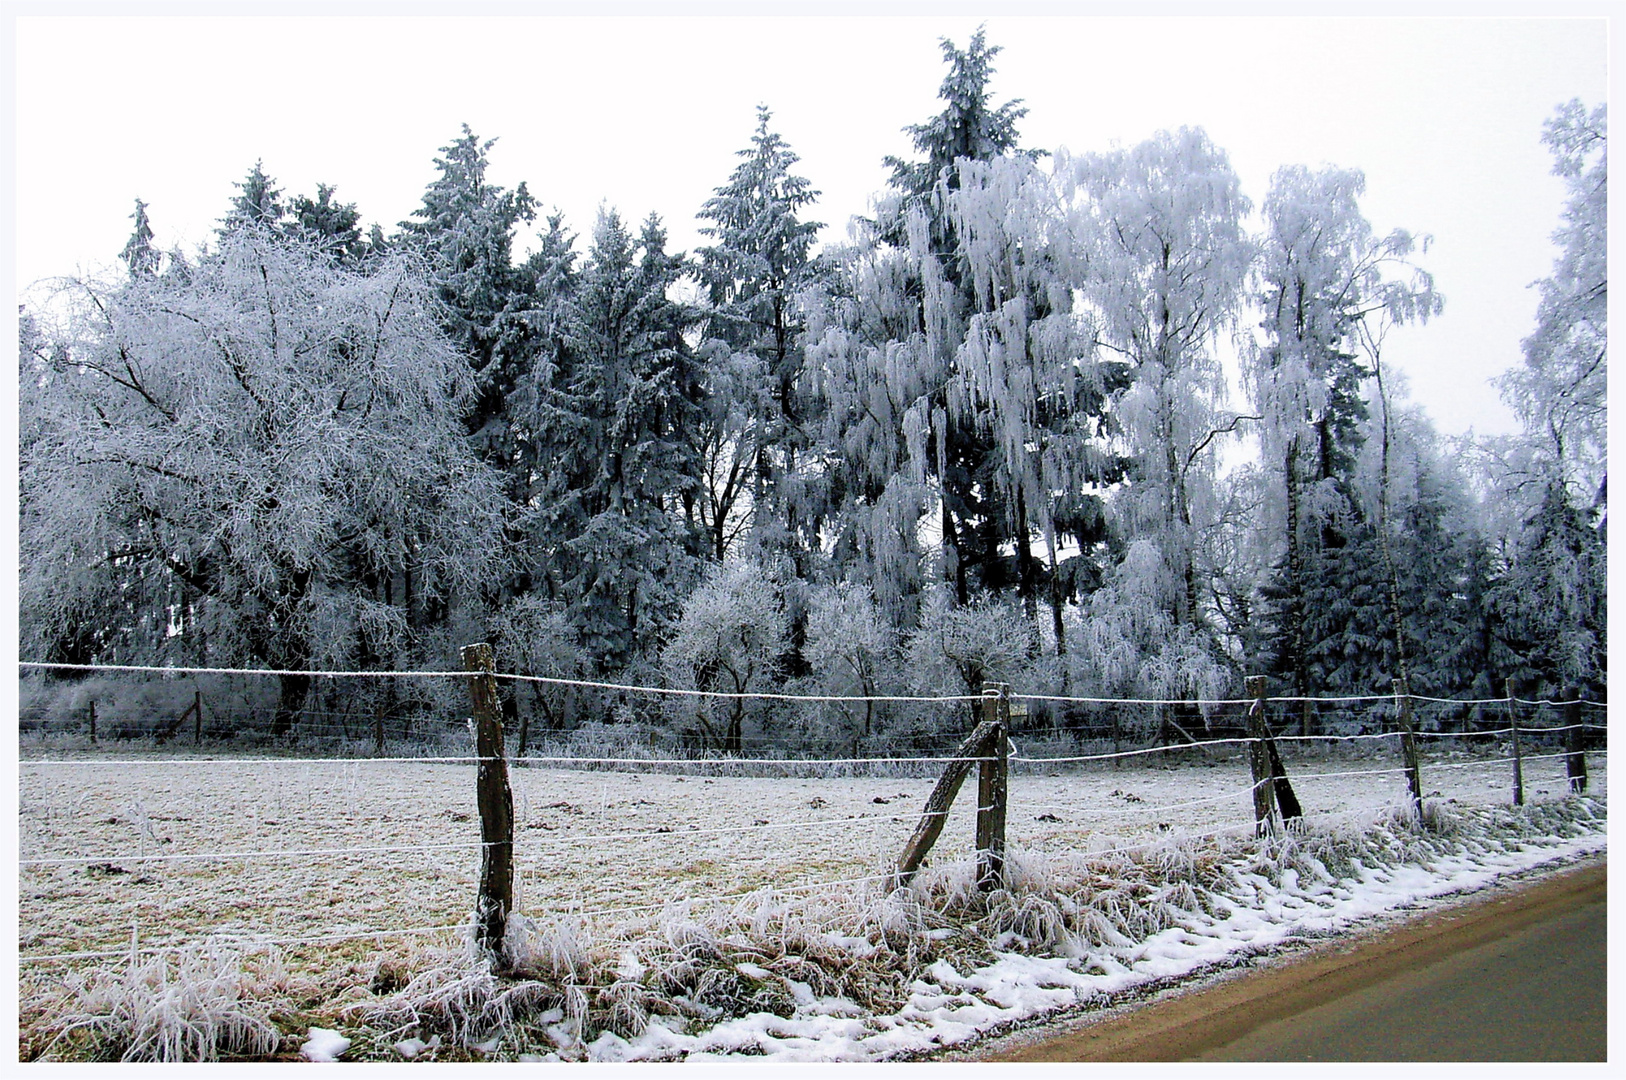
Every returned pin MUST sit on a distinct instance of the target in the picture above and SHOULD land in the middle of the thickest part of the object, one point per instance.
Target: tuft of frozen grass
(194, 1006)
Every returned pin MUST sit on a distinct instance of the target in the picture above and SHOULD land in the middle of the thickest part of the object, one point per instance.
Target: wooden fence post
(197, 717)
(935, 812)
(993, 787)
(1264, 786)
(496, 803)
(1575, 758)
(93, 720)
(1518, 752)
(378, 733)
(1408, 747)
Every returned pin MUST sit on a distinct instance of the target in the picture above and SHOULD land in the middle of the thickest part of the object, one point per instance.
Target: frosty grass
(678, 916)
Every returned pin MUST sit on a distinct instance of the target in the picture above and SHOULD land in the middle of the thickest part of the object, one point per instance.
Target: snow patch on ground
(947, 1007)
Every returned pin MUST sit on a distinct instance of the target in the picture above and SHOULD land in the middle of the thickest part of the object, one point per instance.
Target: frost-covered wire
(253, 761)
(1124, 753)
(269, 853)
(1120, 811)
(248, 943)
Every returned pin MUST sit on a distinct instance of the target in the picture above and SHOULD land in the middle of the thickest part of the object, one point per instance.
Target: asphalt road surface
(1514, 975)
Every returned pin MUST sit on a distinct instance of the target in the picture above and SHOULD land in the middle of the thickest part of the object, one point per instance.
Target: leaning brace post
(1575, 757)
(1408, 747)
(496, 803)
(1518, 752)
(938, 802)
(1264, 787)
(993, 786)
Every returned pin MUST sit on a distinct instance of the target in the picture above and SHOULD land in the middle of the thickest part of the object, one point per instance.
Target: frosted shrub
(194, 1007)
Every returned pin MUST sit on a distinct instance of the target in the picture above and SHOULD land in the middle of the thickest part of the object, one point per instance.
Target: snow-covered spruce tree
(464, 232)
(1354, 645)
(1321, 270)
(138, 254)
(1167, 258)
(753, 436)
(974, 522)
(258, 202)
(730, 638)
(244, 463)
(333, 226)
(615, 496)
(1550, 605)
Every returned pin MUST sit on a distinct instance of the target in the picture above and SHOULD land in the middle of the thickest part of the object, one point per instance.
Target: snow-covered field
(625, 877)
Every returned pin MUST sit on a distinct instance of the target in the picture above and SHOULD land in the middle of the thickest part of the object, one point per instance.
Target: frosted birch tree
(1322, 277)
(1167, 257)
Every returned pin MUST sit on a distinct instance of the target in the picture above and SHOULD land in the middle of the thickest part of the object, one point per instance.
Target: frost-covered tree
(851, 652)
(258, 202)
(1320, 274)
(464, 231)
(1561, 391)
(753, 436)
(1550, 605)
(333, 226)
(957, 648)
(255, 462)
(615, 494)
(138, 254)
(1167, 257)
(731, 637)
(533, 636)
(1127, 643)
(1028, 381)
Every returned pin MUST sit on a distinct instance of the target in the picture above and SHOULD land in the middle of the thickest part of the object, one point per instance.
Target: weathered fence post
(1575, 758)
(993, 786)
(197, 718)
(93, 720)
(1264, 786)
(935, 812)
(496, 803)
(1408, 747)
(1518, 752)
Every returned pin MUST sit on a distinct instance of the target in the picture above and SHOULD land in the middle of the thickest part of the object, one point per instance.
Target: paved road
(1515, 976)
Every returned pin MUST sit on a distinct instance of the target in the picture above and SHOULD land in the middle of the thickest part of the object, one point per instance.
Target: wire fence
(87, 826)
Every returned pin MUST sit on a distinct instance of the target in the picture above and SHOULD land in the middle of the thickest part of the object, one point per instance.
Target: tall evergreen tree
(258, 202)
(620, 465)
(465, 231)
(138, 254)
(761, 258)
(332, 225)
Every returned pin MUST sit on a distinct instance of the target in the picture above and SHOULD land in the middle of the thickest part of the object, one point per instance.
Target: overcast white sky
(645, 113)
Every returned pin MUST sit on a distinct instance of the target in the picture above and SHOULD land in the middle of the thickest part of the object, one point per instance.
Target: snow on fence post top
(496, 803)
